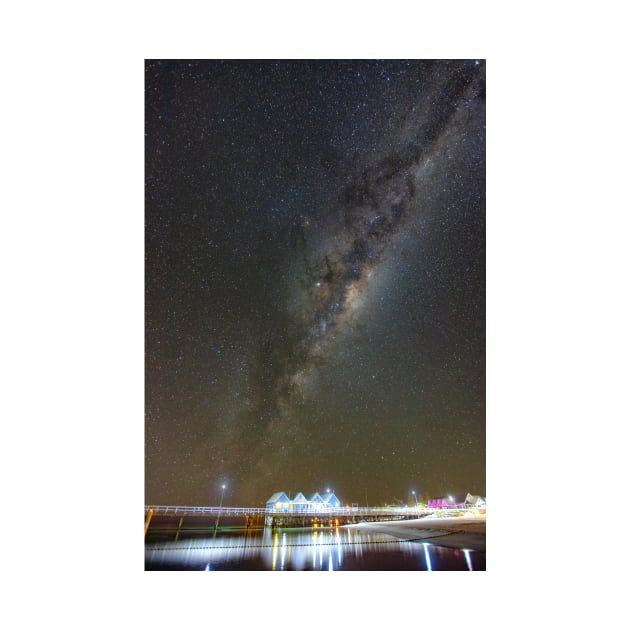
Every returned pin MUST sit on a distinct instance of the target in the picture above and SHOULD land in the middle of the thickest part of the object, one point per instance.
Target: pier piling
(181, 520)
(147, 520)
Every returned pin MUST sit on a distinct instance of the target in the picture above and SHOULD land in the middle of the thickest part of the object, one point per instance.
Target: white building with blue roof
(300, 503)
(280, 502)
(330, 500)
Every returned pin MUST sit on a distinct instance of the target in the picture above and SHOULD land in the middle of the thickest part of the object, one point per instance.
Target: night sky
(314, 279)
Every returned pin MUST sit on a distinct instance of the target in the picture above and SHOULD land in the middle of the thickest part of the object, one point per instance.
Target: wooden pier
(168, 522)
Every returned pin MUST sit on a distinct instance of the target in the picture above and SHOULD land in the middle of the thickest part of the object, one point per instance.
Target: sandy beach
(464, 532)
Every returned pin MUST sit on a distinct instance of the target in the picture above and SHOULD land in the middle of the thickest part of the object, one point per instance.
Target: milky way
(375, 208)
(337, 242)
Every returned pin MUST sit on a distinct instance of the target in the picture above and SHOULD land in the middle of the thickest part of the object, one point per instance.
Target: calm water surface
(323, 549)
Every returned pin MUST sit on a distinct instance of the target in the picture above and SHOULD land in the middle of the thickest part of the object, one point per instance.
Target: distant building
(280, 502)
(474, 501)
(457, 501)
(451, 501)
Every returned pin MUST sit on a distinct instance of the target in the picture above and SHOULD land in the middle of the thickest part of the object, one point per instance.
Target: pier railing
(260, 511)
(196, 509)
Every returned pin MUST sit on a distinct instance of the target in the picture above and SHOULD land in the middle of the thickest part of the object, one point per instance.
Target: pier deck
(207, 519)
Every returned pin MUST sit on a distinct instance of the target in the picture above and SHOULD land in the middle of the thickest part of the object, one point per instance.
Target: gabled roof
(473, 498)
(300, 498)
(316, 497)
(328, 497)
(278, 496)
(457, 498)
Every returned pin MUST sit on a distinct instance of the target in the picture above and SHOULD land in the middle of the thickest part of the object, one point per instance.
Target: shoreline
(460, 532)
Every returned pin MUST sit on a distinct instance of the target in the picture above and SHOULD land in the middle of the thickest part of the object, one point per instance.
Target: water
(322, 549)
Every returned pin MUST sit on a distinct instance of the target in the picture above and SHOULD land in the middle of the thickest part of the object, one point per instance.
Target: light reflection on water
(323, 549)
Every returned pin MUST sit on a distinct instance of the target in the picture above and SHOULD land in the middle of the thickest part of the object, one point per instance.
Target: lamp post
(216, 525)
(415, 498)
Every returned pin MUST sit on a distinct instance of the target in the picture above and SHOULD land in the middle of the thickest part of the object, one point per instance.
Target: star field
(315, 279)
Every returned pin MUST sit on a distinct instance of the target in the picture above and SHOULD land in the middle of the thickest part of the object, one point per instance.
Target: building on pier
(280, 502)
(330, 500)
(316, 502)
(300, 503)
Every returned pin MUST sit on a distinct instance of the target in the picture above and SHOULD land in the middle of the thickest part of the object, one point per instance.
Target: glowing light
(338, 549)
(427, 557)
(274, 552)
(321, 553)
(468, 561)
(284, 551)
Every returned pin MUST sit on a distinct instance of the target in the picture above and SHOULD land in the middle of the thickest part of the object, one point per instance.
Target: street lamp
(216, 525)
(415, 498)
